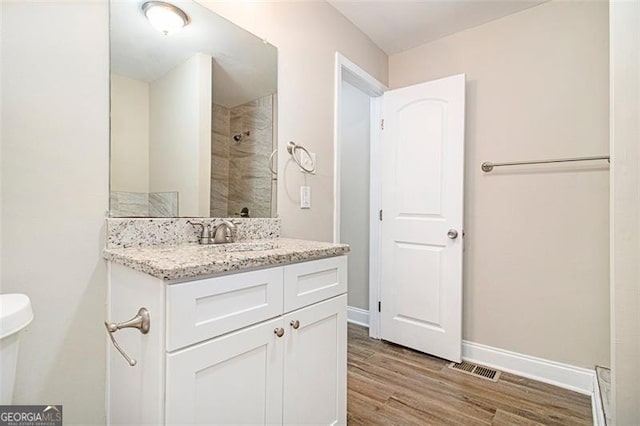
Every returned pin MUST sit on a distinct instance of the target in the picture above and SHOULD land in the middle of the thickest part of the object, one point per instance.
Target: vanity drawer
(310, 282)
(199, 310)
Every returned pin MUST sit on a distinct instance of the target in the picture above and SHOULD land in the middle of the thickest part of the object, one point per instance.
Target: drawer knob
(295, 324)
(279, 332)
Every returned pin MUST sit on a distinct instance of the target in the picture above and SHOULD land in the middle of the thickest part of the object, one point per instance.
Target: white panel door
(315, 372)
(234, 379)
(422, 201)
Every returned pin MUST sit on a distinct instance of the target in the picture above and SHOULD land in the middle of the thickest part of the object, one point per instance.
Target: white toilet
(15, 314)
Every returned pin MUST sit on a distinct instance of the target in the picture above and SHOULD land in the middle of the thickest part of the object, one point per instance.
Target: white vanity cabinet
(259, 347)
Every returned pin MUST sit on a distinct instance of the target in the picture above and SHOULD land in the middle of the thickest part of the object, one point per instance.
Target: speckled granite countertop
(193, 260)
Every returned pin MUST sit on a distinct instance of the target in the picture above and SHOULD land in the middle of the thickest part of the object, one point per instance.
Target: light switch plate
(305, 197)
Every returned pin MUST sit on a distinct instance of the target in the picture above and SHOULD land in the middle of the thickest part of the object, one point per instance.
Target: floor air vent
(475, 370)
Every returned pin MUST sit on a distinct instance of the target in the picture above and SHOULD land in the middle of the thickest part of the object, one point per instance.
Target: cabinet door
(315, 367)
(233, 379)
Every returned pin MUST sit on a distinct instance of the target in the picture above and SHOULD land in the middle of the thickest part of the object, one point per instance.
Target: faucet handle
(205, 235)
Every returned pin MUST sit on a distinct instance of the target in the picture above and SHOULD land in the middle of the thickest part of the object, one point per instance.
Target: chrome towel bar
(488, 166)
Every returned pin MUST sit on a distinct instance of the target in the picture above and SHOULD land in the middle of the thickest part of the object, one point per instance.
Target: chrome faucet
(223, 232)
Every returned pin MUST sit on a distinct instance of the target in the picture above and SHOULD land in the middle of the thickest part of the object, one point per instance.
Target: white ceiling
(245, 68)
(399, 25)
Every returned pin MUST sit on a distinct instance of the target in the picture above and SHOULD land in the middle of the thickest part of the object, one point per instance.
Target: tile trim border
(596, 405)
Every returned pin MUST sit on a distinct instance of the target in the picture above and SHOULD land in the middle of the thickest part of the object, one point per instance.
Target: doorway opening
(405, 267)
(356, 185)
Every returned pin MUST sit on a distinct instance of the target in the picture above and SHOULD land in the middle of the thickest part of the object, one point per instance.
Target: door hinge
(382, 124)
(379, 306)
(380, 214)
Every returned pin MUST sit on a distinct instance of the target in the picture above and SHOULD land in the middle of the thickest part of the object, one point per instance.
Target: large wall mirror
(193, 116)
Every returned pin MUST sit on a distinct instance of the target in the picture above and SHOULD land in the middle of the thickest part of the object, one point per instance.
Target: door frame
(345, 70)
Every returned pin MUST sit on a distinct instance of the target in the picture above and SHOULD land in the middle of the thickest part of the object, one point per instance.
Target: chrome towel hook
(292, 147)
(142, 321)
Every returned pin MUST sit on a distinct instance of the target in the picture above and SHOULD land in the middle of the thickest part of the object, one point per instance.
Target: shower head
(240, 136)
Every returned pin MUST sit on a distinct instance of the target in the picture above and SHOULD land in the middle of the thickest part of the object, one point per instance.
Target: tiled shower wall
(240, 175)
(220, 142)
(143, 204)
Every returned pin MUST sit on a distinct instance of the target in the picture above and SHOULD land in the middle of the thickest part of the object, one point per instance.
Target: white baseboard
(563, 375)
(596, 405)
(358, 316)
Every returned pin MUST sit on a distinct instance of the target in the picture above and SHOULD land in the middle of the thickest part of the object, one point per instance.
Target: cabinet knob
(279, 332)
(295, 324)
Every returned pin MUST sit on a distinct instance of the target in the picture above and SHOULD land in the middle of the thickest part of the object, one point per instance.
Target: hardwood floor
(391, 385)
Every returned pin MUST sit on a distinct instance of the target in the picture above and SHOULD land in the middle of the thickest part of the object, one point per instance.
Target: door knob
(452, 234)
(279, 332)
(295, 324)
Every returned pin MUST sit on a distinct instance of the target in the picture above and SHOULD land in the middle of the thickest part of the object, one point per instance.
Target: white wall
(625, 212)
(536, 272)
(307, 35)
(55, 170)
(354, 190)
(180, 135)
(129, 134)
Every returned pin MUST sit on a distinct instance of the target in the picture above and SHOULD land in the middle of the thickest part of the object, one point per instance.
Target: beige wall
(55, 171)
(354, 190)
(180, 135)
(307, 35)
(625, 212)
(536, 274)
(129, 134)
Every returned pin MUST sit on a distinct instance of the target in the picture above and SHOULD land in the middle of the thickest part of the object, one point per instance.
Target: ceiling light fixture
(165, 17)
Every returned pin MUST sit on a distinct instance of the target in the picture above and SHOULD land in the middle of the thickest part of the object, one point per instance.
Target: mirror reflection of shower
(239, 137)
(176, 109)
(243, 138)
